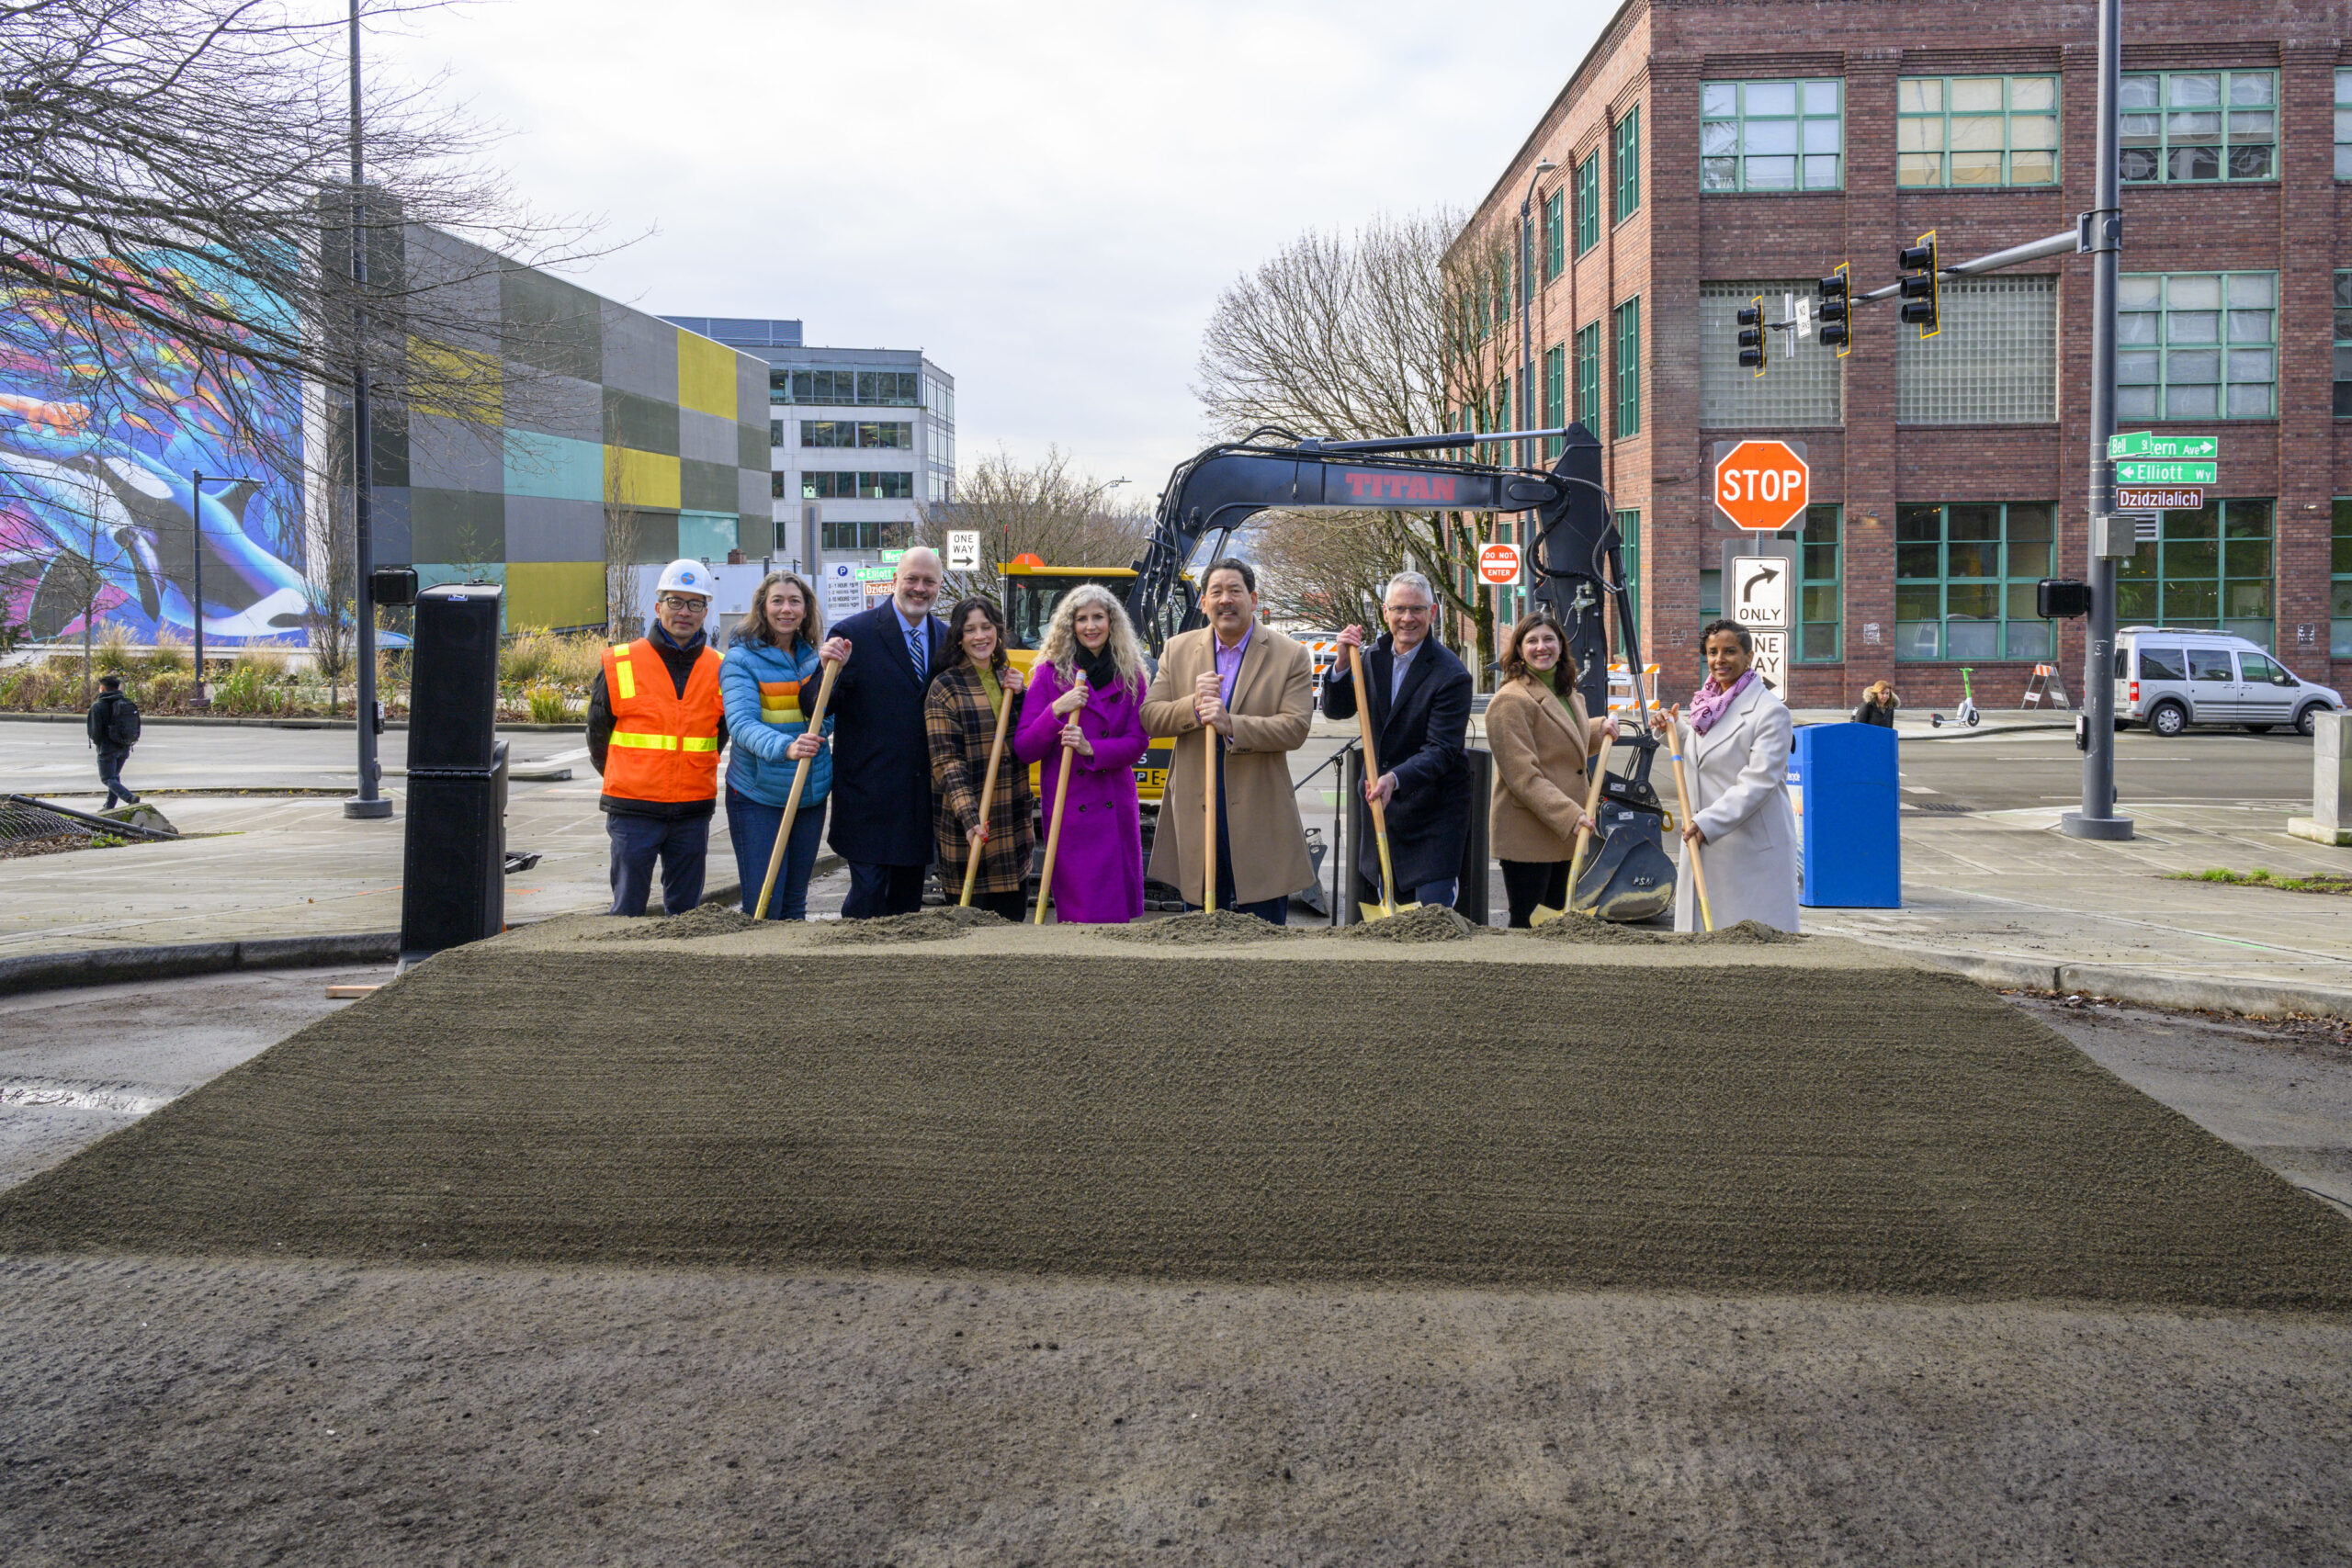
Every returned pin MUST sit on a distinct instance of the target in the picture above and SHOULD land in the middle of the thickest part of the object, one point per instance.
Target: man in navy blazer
(1419, 695)
(881, 796)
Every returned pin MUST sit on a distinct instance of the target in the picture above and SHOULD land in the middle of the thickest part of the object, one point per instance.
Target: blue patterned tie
(914, 649)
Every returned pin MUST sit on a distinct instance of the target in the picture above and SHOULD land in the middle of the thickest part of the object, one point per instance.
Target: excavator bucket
(1628, 879)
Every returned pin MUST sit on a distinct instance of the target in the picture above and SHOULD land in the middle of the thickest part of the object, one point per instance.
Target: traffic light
(1751, 336)
(1836, 313)
(1918, 287)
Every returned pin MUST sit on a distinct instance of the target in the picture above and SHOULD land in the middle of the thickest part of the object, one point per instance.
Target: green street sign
(877, 573)
(890, 558)
(2174, 447)
(2167, 473)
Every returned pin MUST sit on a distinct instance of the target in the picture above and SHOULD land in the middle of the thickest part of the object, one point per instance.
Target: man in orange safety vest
(656, 722)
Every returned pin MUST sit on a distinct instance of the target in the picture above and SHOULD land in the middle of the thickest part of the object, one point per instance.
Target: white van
(2170, 679)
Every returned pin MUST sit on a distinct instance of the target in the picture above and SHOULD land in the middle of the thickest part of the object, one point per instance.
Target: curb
(113, 965)
(2253, 998)
(201, 721)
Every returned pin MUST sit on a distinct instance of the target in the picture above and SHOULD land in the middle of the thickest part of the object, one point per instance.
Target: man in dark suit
(1419, 695)
(881, 801)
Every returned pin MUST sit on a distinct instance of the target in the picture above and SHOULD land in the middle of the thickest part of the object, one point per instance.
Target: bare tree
(330, 616)
(1385, 332)
(1044, 509)
(1326, 569)
(623, 616)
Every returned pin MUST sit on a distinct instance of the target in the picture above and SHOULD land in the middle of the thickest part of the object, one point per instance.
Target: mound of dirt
(925, 925)
(1573, 926)
(1746, 933)
(704, 919)
(1201, 926)
(1423, 922)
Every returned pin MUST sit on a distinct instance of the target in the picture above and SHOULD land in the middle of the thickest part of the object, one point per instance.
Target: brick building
(1709, 152)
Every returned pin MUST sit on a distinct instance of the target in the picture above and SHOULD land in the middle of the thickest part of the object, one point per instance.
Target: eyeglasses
(675, 601)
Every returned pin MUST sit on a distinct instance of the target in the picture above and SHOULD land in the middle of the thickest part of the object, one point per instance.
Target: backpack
(122, 723)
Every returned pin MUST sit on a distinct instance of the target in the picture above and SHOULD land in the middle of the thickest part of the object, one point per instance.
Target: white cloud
(1047, 197)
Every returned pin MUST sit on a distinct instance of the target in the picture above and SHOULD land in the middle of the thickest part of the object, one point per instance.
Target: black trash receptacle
(454, 860)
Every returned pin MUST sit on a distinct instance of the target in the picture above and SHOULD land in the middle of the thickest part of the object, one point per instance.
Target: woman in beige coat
(1541, 735)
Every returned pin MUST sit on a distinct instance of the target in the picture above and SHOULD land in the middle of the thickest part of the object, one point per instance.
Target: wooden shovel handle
(799, 783)
(988, 797)
(1372, 773)
(1592, 805)
(1682, 798)
(1053, 834)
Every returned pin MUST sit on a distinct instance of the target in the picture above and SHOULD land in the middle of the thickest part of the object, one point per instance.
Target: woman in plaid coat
(960, 714)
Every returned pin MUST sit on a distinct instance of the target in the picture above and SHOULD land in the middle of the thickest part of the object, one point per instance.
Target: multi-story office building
(858, 438)
(1707, 154)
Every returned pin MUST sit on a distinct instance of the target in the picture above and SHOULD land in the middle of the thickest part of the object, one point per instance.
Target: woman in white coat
(1737, 758)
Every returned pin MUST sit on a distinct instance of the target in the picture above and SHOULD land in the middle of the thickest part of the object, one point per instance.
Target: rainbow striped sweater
(768, 694)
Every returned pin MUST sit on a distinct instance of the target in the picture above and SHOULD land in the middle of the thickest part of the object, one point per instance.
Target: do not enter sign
(1762, 486)
(1499, 565)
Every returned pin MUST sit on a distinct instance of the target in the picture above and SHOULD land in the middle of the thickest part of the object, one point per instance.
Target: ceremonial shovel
(799, 783)
(1054, 833)
(1682, 797)
(1544, 914)
(987, 794)
(1387, 905)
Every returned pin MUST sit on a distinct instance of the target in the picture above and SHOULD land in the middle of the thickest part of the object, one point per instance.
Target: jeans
(751, 827)
(682, 846)
(883, 890)
(110, 762)
(1530, 883)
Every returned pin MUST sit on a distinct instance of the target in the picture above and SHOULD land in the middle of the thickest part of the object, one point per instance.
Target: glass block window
(1628, 320)
(1625, 157)
(1589, 382)
(1556, 394)
(2197, 346)
(2344, 125)
(2339, 636)
(2208, 569)
(1800, 386)
(1555, 253)
(1965, 578)
(1995, 362)
(1771, 135)
(2199, 125)
(2344, 344)
(1976, 130)
(1588, 201)
(1819, 604)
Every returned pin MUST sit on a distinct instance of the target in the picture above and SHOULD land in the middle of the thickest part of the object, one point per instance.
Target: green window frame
(2344, 125)
(2198, 127)
(2344, 345)
(1589, 203)
(1820, 602)
(1555, 207)
(2197, 346)
(1556, 394)
(1628, 334)
(1588, 410)
(1965, 578)
(2209, 569)
(1772, 136)
(2339, 598)
(1629, 528)
(1976, 130)
(1625, 156)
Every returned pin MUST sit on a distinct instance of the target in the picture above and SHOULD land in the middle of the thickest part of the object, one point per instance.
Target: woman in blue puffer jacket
(770, 679)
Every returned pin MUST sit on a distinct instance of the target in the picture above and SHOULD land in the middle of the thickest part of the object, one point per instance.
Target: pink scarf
(1713, 702)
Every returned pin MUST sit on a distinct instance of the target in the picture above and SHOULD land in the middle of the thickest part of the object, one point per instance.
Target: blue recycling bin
(1852, 834)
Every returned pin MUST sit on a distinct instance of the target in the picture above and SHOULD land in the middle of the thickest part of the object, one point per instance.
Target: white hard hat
(685, 576)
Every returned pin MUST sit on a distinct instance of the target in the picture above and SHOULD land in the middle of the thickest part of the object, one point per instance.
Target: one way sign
(1760, 591)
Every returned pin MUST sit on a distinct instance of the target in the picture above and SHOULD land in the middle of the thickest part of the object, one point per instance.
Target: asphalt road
(1994, 771)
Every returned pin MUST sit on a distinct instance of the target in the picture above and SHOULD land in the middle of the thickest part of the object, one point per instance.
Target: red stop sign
(1762, 485)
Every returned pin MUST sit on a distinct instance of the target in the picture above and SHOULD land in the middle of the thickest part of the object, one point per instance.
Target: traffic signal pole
(2110, 536)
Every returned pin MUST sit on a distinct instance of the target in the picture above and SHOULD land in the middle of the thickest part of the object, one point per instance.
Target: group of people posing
(899, 767)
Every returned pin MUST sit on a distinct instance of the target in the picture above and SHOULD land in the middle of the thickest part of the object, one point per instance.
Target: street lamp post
(197, 482)
(366, 803)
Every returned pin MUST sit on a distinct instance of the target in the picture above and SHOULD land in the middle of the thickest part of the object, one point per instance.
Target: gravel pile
(1201, 926)
(1746, 933)
(1423, 922)
(925, 925)
(704, 919)
(1573, 926)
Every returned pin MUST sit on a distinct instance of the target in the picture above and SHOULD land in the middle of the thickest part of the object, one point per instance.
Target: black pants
(1527, 883)
(883, 890)
(682, 846)
(1013, 905)
(110, 762)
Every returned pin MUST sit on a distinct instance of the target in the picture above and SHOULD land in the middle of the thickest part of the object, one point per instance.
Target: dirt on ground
(1200, 926)
(703, 919)
(925, 925)
(1422, 922)
(1697, 1124)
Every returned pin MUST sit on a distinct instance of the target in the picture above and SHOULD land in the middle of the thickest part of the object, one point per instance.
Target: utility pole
(366, 803)
(2111, 538)
(196, 568)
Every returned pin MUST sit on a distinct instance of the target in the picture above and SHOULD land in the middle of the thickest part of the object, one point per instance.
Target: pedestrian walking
(769, 679)
(1740, 817)
(1086, 695)
(113, 724)
(1420, 695)
(1251, 693)
(882, 797)
(657, 721)
(960, 715)
(1877, 707)
(1541, 736)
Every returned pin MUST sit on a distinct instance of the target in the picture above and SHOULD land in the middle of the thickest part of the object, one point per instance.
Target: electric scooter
(1967, 714)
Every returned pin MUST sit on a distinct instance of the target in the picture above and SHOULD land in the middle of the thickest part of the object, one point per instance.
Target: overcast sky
(1046, 197)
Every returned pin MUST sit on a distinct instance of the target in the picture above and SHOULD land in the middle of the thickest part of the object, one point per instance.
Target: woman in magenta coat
(1086, 694)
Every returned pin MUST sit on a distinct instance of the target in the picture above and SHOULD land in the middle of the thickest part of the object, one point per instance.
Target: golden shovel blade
(1381, 911)
(1544, 915)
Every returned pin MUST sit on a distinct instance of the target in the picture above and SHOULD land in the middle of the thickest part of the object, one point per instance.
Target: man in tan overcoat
(1251, 693)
